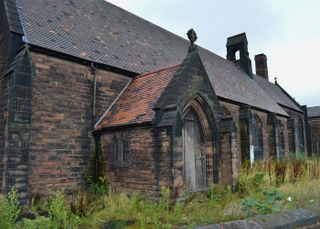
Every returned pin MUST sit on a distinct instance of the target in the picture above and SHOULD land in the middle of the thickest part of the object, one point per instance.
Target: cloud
(295, 63)
(125, 4)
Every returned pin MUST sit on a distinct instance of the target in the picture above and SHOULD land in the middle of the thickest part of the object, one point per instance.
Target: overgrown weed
(267, 187)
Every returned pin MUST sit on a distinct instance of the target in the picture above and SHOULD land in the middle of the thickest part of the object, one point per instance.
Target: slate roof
(314, 111)
(277, 93)
(136, 103)
(98, 31)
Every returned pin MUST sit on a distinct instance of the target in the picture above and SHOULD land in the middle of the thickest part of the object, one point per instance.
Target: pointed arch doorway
(194, 152)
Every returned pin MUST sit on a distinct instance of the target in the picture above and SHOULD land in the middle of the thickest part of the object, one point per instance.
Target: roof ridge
(156, 71)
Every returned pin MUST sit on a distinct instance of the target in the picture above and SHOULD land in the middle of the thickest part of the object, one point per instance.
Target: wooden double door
(194, 155)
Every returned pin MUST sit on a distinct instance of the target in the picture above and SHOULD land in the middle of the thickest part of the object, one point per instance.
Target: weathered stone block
(241, 224)
(302, 217)
(274, 221)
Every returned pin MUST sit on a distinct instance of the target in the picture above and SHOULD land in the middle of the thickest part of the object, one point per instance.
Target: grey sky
(287, 31)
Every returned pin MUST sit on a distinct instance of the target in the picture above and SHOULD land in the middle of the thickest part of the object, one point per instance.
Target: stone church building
(85, 85)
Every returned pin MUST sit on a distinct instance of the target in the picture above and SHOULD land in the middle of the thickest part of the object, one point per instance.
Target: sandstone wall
(146, 164)
(61, 142)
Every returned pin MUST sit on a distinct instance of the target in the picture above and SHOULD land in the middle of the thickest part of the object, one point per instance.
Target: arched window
(121, 146)
(281, 146)
(257, 138)
(118, 146)
(115, 147)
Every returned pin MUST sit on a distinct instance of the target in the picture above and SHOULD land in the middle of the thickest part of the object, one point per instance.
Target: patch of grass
(267, 187)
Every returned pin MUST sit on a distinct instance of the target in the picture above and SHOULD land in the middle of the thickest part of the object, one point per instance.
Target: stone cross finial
(192, 36)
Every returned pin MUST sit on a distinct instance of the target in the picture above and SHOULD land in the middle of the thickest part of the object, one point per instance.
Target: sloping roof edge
(290, 97)
(313, 112)
(133, 95)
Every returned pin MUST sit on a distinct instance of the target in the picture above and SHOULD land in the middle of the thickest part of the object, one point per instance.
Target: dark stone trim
(272, 121)
(227, 125)
(11, 41)
(105, 129)
(307, 131)
(13, 17)
(20, 111)
(245, 131)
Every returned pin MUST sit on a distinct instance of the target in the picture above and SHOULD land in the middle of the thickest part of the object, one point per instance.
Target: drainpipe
(93, 71)
(93, 119)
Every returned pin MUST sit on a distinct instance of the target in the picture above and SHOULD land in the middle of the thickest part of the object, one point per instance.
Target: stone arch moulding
(203, 113)
(198, 143)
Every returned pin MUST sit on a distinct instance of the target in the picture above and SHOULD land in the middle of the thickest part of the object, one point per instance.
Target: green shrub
(251, 183)
(9, 210)
(58, 210)
(270, 202)
(99, 187)
(216, 193)
(257, 180)
(165, 199)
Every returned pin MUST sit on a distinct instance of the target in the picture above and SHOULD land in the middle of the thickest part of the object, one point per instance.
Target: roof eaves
(290, 97)
(58, 54)
(284, 113)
